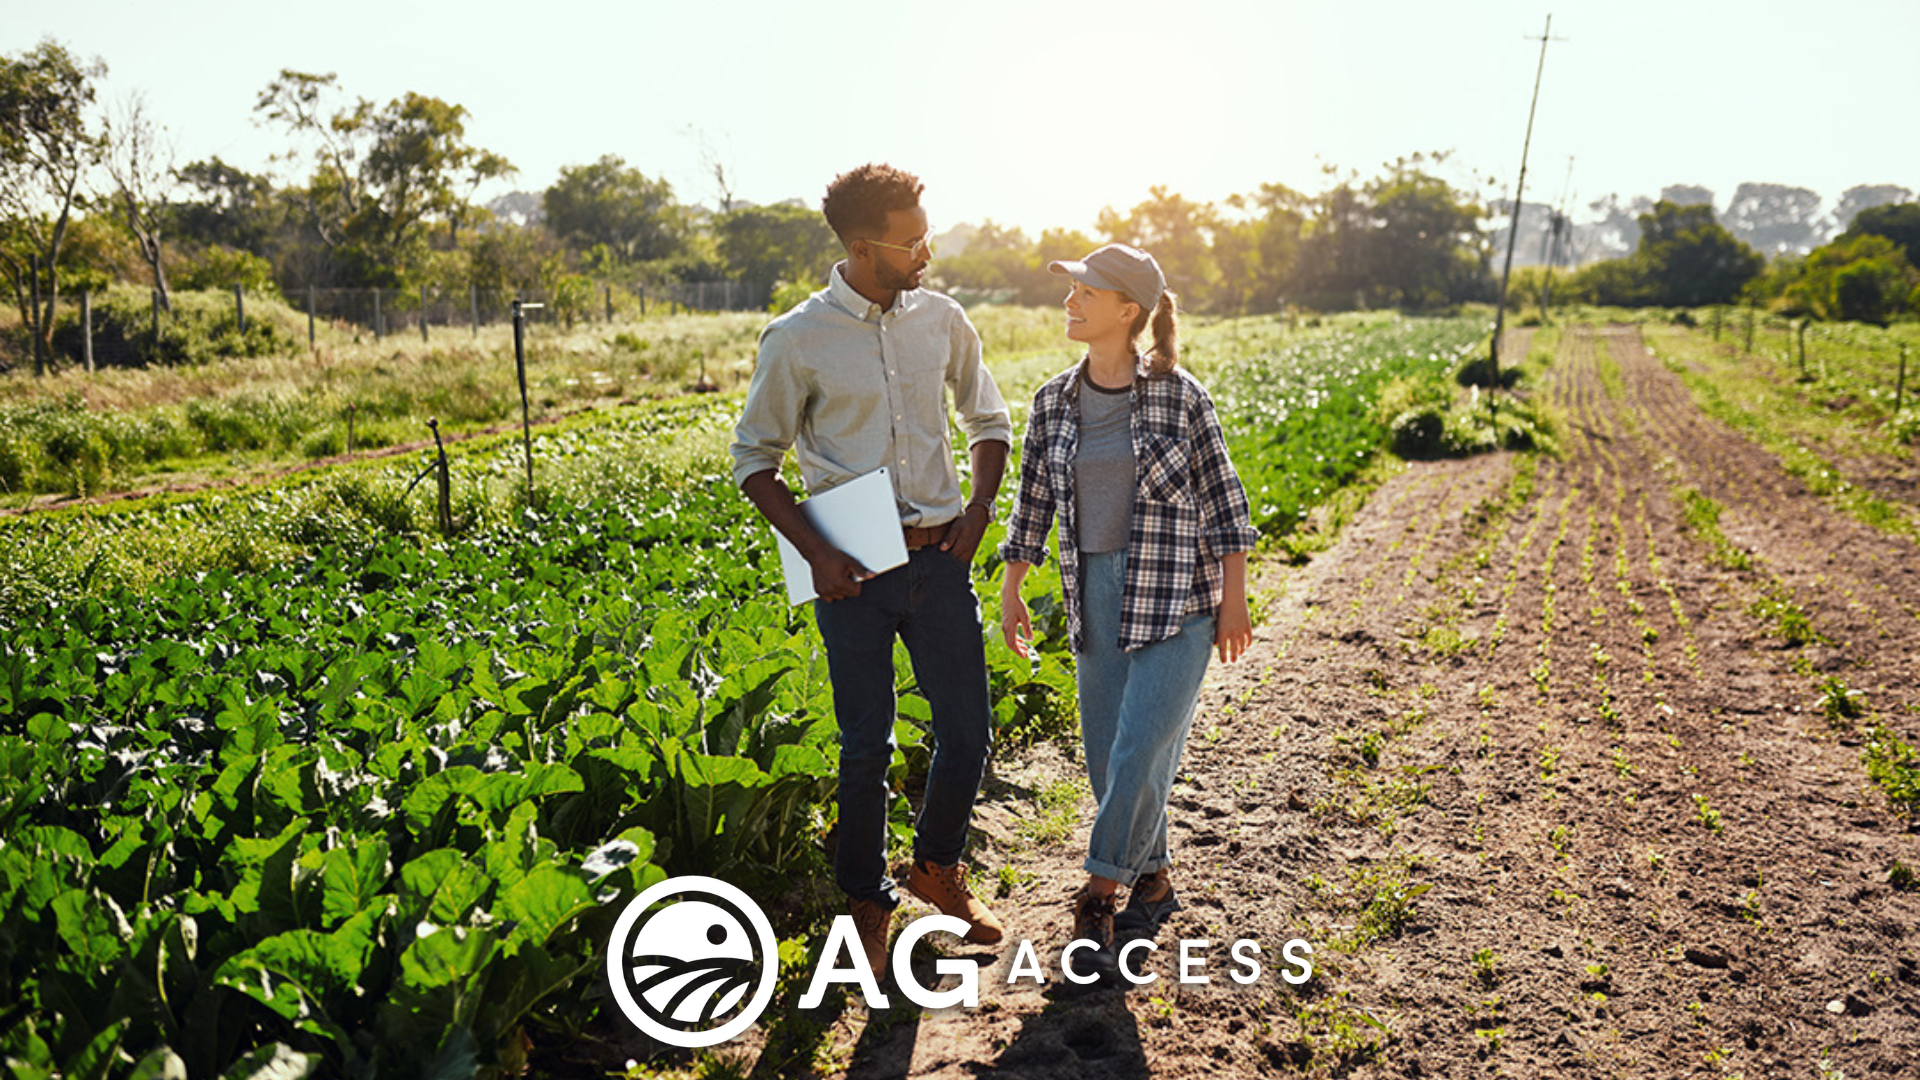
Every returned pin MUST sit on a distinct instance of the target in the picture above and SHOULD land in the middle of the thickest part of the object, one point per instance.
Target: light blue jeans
(1135, 711)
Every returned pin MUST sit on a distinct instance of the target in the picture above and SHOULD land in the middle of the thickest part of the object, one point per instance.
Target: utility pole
(1519, 192)
(1562, 230)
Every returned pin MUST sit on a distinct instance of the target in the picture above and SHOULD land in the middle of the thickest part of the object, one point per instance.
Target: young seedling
(1706, 814)
(1486, 967)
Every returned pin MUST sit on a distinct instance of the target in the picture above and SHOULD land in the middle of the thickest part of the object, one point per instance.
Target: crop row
(371, 810)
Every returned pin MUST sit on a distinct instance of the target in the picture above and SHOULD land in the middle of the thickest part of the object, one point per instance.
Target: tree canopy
(48, 143)
(609, 203)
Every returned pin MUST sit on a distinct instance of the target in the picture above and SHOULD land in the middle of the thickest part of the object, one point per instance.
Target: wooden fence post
(643, 299)
(313, 344)
(473, 307)
(608, 290)
(423, 313)
(1750, 327)
(378, 322)
(239, 309)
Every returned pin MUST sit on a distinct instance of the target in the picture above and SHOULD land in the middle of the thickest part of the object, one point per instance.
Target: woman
(1126, 451)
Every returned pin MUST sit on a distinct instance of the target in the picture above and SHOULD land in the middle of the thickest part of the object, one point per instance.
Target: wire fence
(143, 334)
(385, 312)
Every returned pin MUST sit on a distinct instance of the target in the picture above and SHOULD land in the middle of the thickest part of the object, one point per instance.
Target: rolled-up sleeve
(776, 402)
(983, 412)
(1032, 515)
(1226, 521)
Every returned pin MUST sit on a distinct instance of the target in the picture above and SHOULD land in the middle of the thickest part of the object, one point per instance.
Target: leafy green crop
(372, 812)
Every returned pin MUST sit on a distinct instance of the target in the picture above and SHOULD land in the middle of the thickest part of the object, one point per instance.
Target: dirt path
(1542, 792)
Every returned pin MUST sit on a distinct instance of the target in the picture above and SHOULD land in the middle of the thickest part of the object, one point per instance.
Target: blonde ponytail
(1165, 354)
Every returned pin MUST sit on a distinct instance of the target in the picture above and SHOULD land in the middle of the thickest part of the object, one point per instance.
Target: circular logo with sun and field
(692, 961)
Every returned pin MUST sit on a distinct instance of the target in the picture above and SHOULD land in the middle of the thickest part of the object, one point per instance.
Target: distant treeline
(90, 196)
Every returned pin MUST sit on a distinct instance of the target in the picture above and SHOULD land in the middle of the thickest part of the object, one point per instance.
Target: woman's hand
(1014, 623)
(1233, 631)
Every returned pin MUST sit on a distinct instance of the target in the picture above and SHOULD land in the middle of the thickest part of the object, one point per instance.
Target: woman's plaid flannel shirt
(1189, 509)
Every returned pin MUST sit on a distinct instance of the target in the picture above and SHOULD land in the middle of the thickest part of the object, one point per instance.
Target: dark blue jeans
(930, 605)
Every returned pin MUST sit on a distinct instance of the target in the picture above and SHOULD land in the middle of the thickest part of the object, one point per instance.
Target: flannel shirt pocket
(1164, 472)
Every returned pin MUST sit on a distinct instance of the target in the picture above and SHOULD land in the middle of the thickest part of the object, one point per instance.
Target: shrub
(199, 327)
(1479, 372)
(788, 296)
(1416, 433)
(221, 268)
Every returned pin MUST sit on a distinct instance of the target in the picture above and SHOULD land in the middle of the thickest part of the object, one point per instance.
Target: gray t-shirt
(1103, 473)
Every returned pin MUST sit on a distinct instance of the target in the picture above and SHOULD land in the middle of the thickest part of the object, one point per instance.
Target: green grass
(1825, 430)
(1056, 811)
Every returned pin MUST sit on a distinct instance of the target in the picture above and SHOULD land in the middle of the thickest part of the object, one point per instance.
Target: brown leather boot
(1093, 921)
(872, 920)
(945, 887)
(1093, 917)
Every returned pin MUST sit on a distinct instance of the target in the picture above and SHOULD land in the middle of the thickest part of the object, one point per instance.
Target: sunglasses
(920, 247)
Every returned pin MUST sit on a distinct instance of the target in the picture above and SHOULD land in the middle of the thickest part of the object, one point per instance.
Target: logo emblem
(698, 971)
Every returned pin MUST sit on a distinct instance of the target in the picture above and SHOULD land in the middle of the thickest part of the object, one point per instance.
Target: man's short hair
(859, 200)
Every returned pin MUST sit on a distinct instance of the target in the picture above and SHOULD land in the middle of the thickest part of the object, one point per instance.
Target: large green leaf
(350, 877)
(275, 1062)
(542, 903)
(441, 888)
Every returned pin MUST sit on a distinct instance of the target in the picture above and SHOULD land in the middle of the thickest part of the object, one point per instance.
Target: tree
(1687, 195)
(1861, 278)
(1425, 248)
(1776, 219)
(1258, 249)
(787, 242)
(1177, 232)
(1689, 259)
(608, 203)
(139, 161)
(380, 174)
(219, 204)
(995, 261)
(1617, 233)
(420, 167)
(1332, 271)
(47, 145)
(1898, 222)
(1863, 197)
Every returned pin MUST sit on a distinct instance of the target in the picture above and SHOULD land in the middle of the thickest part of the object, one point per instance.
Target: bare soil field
(1534, 770)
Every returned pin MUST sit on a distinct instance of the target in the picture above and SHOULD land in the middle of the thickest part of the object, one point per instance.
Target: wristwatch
(988, 505)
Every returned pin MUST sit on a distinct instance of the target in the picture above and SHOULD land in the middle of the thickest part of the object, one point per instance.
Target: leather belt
(919, 536)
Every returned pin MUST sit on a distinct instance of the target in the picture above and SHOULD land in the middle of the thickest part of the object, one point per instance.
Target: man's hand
(837, 575)
(963, 535)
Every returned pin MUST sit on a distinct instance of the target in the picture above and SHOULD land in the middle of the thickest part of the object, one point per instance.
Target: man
(857, 376)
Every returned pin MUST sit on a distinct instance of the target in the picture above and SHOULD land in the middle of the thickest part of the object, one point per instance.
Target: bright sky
(1038, 113)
